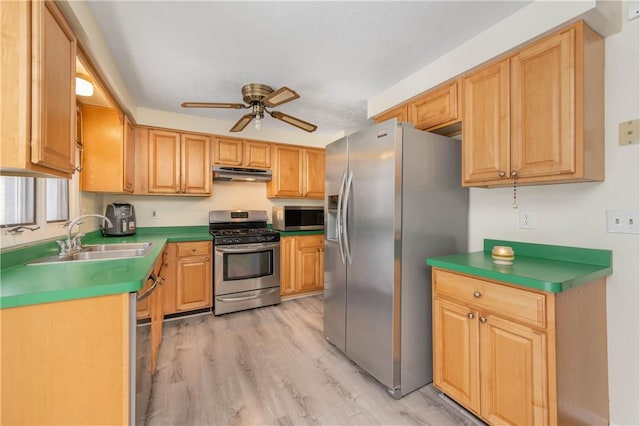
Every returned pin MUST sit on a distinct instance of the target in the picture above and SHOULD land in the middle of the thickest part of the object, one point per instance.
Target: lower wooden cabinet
(521, 357)
(301, 264)
(189, 284)
(66, 362)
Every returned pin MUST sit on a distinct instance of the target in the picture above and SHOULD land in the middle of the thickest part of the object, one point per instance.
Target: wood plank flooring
(272, 366)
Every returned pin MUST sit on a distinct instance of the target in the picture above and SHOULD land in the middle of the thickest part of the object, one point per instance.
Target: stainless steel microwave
(298, 218)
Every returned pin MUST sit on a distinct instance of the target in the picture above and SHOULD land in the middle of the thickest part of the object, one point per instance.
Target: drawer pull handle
(476, 294)
(483, 320)
(470, 315)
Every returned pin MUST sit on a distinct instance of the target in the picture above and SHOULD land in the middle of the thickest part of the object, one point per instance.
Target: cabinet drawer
(518, 304)
(196, 248)
(309, 241)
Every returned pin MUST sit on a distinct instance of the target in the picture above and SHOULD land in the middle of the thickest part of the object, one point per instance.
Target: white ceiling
(335, 54)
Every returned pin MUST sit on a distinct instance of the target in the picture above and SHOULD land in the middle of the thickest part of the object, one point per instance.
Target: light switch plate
(629, 132)
(623, 221)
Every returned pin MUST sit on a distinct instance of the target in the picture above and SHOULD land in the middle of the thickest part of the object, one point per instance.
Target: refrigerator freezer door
(335, 272)
(373, 322)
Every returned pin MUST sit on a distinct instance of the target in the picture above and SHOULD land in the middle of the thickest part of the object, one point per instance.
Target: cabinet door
(257, 154)
(436, 108)
(170, 275)
(164, 162)
(455, 353)
(514, 373)
(53, 90)
(313, 166)
(309, 263)
(543, 135)
(228, 151)
(194, 283)
(485, 129)
(287, 265)
(401, 113)
(195, 165)
(103, 156)
(287, 172)
(129, 155)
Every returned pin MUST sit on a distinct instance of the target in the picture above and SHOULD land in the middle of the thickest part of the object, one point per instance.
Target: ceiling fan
(259, 97)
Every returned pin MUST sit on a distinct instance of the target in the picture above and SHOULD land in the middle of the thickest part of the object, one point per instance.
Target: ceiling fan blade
(280, 96)
(242, 123)
(212, 105)
(301, 124)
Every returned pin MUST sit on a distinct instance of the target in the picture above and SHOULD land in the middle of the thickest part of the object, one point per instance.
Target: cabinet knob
(193, 250)
(476, 294)
(502, 173)
(483, 320)
(177, 190)
(165, 264)
(206, 259)
(514, 173)
(470, 315)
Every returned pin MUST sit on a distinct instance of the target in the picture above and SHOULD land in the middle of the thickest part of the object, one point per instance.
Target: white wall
(572, 214)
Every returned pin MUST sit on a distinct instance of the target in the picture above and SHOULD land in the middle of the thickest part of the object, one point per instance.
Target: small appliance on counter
(123, 217)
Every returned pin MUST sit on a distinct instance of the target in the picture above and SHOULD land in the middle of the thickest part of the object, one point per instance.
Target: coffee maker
(123, 217)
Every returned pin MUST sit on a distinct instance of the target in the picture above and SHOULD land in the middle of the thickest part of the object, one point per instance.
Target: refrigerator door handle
(345, 212)
(338, 217)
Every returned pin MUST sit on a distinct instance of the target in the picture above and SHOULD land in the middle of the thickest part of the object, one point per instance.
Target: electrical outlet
(154, 215)
(527, 219)
(623, 221)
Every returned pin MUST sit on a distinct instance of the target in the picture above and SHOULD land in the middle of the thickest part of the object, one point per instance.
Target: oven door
(245, 267)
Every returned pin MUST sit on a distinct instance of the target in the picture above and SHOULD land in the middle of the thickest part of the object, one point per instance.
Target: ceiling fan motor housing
(255, 92)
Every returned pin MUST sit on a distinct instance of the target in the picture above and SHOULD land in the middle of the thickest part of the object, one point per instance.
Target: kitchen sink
(100, 252)
(117, 246)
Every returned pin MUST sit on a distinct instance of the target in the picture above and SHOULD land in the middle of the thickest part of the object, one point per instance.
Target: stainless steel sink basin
(117, 246)
(100, 252)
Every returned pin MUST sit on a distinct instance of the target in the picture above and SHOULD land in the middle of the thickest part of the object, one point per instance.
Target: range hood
(231, 173)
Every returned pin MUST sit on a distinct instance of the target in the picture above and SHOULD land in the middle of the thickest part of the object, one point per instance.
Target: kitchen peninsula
(523, 343)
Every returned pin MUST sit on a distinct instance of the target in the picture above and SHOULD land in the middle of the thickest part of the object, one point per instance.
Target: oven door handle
(245, 248)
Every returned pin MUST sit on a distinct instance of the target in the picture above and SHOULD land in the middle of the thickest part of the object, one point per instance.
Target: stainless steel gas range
(246, 265)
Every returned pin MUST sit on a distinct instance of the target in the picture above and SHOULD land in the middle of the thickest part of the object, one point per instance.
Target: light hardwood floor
(272, 366)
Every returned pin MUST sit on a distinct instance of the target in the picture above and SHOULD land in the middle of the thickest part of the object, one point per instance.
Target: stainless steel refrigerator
(394, 198)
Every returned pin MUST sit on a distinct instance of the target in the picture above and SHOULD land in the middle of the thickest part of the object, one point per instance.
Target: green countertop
(21, 284)
(538, 266)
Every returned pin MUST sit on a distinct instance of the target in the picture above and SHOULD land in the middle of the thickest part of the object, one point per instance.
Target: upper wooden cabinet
(298, 172)
(436, 108)
(241, 152)
(108, 150)
(177, 163)
(401, 113)
(538, 114)
(313, 167)
(38, 85)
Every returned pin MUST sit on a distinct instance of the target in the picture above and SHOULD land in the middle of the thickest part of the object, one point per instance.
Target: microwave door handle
(345, 214)
(338, 217)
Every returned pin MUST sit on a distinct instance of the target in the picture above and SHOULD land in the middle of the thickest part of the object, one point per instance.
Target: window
(57, 203)
(19, 200)
(30, 201)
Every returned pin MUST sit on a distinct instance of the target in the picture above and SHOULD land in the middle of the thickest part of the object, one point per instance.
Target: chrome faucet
(75, 244)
